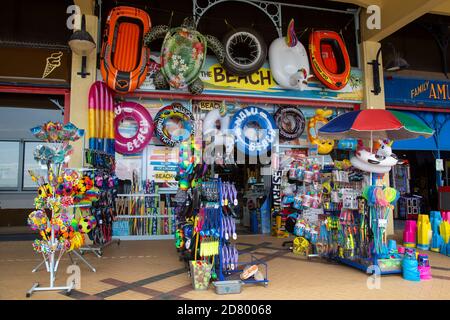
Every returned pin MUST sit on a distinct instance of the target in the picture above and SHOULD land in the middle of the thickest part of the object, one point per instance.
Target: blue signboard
(416, 92)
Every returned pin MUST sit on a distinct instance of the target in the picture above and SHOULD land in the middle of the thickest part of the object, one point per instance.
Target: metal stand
(71, 259)
(82, 259)
(98, 251)
(52, 266)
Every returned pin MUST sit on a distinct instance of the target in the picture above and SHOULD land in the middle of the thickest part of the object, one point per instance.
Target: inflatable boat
(124, 58)
(329, 59)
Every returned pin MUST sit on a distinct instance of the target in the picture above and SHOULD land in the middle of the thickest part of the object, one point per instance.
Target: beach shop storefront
(429, 159)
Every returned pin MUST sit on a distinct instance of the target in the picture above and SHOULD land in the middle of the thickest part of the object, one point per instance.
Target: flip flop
(259, 276)
(236, 257)
(249, 272)
(225, 257)
(233, 228)
(226, 228)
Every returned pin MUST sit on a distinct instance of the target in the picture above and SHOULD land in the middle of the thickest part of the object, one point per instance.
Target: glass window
(30, 164)
(9, 164)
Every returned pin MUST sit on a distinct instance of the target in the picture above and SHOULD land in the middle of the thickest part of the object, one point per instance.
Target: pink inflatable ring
(144, 133)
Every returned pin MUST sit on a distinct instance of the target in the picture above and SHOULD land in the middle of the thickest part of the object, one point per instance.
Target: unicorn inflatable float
(380, 162)
(289, 61)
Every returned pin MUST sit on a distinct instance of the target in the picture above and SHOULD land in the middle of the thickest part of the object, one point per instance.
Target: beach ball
(84, 225)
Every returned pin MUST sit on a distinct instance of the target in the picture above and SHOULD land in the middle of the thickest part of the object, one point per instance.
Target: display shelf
(167, 190)
(362, 267)
(289, 146)
(148, 237)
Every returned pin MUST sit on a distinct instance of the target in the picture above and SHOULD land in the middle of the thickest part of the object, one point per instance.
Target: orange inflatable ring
(124, 58)
(329, 59)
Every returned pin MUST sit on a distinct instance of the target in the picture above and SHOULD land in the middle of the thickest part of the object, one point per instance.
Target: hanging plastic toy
(324, 146)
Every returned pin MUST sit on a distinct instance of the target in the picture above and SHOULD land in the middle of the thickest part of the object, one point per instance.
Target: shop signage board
(261, 84)
(162, 164)
(417, 92)
(48, 67)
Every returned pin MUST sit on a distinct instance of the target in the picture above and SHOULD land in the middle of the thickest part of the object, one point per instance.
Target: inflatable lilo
(124, 58)
(329, 59)
(220, 143)
(174, 124)
(183, 54)
(289, 61)
(254, 129)
(101, 118)
(290, 122)
(144, 133)
(324, 146)
(380, 162)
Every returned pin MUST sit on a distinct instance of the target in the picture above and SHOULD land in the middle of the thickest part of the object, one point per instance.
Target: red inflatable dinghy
(329, 59)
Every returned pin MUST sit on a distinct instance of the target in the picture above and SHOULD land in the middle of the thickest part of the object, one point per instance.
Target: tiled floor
(151, 270)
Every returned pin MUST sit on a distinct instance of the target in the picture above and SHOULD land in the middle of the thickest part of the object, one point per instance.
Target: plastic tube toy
(409, 234)
(423, 230)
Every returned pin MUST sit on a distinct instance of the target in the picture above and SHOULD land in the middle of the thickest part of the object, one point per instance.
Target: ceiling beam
(361, 3)
(397, 14)
(443, 9)
(86, 6)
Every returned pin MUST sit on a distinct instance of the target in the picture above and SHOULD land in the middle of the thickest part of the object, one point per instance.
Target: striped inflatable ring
(176, 111)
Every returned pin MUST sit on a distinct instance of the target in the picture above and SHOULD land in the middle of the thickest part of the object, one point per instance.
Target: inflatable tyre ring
(290, 122)
(174, 111)
(250, 43)
(209, 123)
(265, 121)
(143, 135)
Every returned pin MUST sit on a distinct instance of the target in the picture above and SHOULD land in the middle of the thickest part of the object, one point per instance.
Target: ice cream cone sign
(53, 62)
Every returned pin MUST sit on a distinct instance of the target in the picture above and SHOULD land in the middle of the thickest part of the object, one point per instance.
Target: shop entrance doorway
(422, 181)
(253, 192)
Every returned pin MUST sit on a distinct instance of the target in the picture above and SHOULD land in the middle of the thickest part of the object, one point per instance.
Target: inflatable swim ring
(380, 162)
(211, 120)
(144, 133)
(329, 59)
(178, 116)
(289, 61)
(124, 58)
(290, 122)
(220, 144)
(249, 139)
(324, 146)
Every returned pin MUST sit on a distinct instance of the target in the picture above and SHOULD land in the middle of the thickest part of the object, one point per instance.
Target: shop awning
(440, 141)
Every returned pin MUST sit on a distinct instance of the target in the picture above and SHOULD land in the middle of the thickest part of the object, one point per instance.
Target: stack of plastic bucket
(409, 234)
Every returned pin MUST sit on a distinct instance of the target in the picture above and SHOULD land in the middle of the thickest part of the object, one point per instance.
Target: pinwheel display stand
(50, 216)
(52, 266)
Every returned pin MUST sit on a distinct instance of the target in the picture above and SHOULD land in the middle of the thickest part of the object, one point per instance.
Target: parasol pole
(371, 151)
